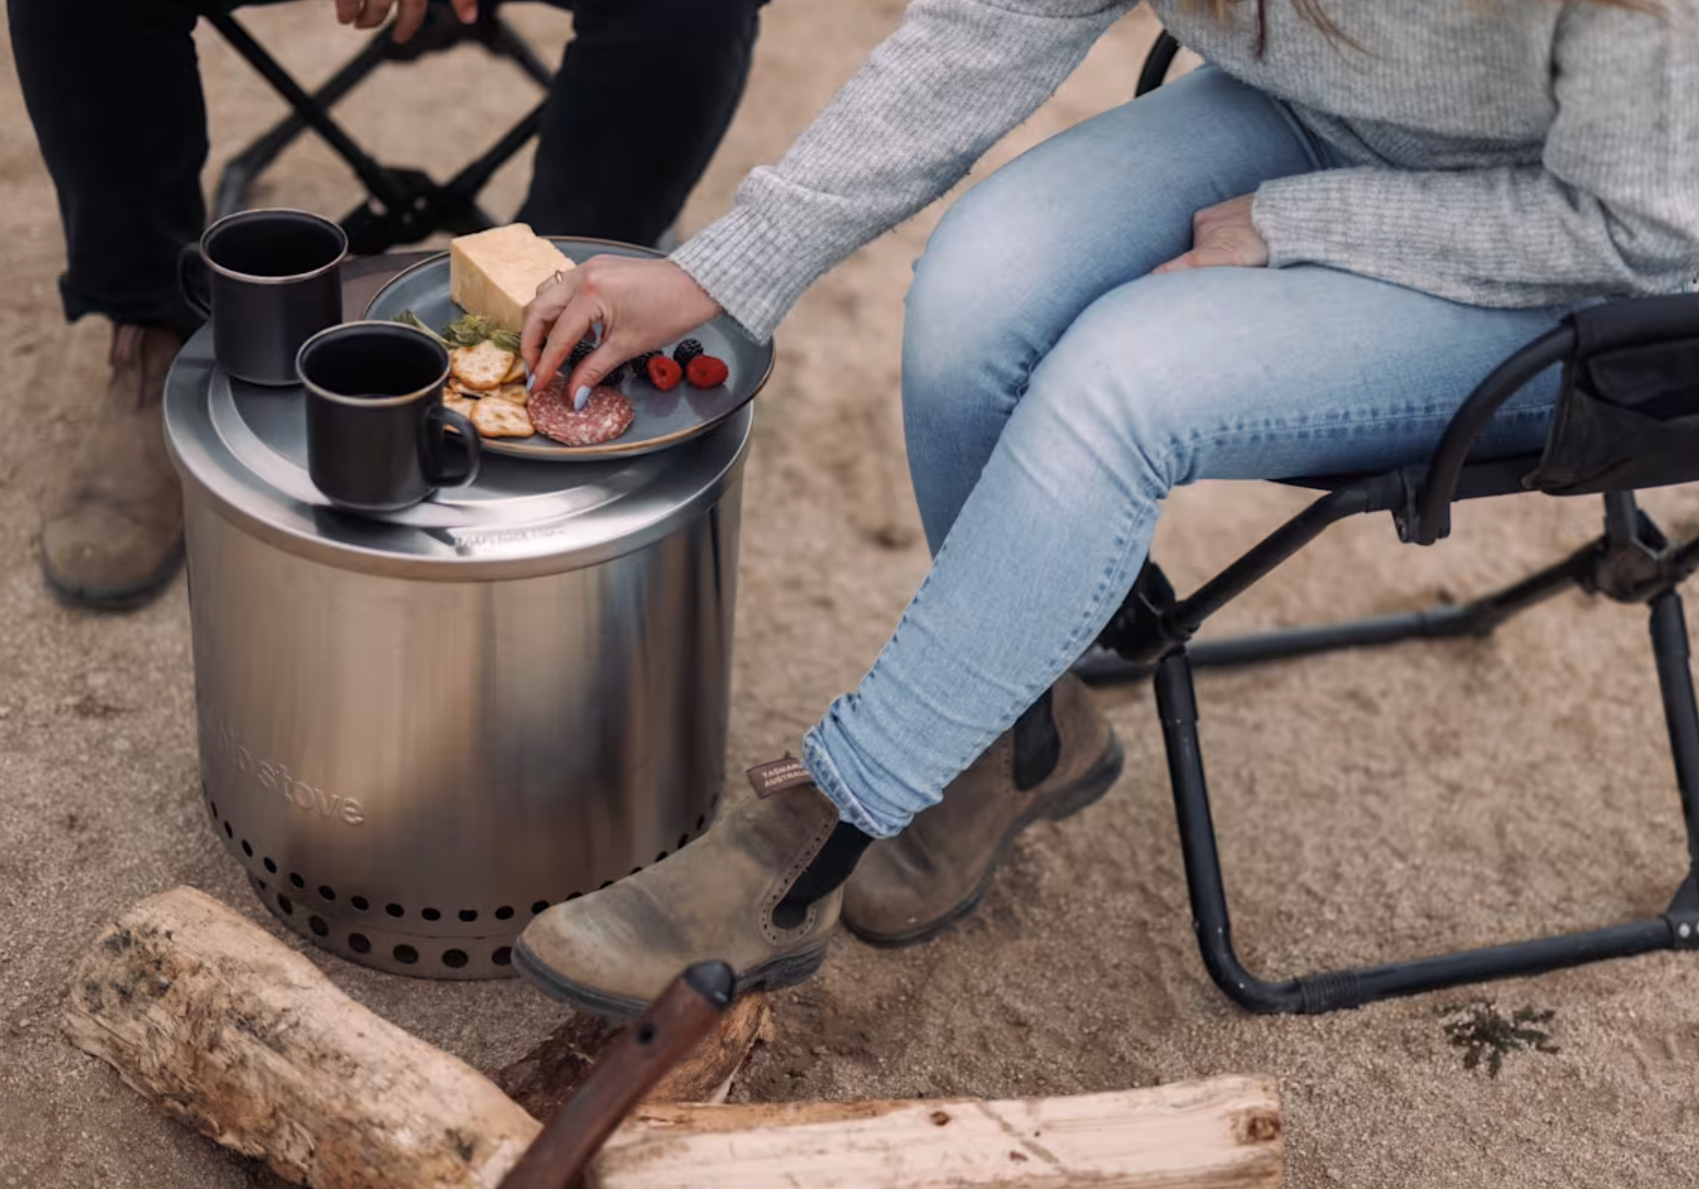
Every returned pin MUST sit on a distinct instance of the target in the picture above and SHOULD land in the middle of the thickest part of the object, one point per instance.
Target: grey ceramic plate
(662, 418)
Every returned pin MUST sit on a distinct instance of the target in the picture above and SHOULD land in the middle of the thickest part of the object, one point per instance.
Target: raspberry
(707, 372)
(664, 373)
(686, 351)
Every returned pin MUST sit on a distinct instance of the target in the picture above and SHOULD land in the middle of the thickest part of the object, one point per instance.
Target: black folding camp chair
(1627, 419)
(403, 206)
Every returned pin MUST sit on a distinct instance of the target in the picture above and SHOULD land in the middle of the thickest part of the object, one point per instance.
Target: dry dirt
(1370, 805)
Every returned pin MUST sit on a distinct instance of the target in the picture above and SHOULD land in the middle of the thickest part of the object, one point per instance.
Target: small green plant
(1481, 1030)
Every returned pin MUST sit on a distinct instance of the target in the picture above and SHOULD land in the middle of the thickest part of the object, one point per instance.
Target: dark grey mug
(271, 281)
(377, 431)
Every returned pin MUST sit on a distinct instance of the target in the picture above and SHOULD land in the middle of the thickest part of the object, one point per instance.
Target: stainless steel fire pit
(417, 734)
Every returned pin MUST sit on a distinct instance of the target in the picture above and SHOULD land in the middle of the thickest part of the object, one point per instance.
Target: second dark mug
(271, 282)
(377, 431)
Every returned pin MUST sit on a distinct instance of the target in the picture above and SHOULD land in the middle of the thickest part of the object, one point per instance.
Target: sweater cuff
(1297, 218)
(749, 264)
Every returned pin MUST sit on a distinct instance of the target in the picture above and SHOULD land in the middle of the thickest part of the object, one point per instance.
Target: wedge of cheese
(496, 273)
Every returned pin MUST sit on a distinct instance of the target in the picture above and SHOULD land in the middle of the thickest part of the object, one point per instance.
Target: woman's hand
(640, 304)
(369, 14)
(1223, 236)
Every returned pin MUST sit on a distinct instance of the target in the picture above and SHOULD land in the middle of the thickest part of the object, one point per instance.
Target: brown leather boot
(112, 528)
(1060, 757)
(611, 952)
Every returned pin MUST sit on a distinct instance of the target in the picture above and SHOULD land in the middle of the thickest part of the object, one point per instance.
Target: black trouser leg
(114, 91)
(645, 92)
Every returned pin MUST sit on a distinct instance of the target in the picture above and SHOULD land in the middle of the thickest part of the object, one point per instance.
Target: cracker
(501, 419)
(480, 368)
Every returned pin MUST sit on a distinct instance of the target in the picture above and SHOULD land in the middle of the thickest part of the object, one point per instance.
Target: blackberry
(584, 347)
(640, 363)
(686, 351)
(615, 376)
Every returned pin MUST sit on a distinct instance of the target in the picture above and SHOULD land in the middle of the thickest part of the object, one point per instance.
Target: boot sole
(126, 598)
(1084, 792)
(778, 972)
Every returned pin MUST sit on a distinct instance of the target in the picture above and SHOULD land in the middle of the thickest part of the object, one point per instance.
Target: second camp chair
(1627, 419)
(403, 206)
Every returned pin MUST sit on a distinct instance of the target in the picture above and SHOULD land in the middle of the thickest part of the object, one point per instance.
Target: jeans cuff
(827, 780)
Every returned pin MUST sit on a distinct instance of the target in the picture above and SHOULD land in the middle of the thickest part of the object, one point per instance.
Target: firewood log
(235, 1034)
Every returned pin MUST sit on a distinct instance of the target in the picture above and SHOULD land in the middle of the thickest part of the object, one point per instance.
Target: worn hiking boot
(1058, 758)
(611, 952)
(112, 527)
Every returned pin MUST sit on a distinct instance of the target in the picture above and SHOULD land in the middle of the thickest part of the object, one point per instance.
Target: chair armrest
(1587, 334)
(1437, 488)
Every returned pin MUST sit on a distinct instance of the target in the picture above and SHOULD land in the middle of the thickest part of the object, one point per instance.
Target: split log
(549, 1074)
(243, 1039)
(238, 1036)
(1224, 1133)
(233, 1033)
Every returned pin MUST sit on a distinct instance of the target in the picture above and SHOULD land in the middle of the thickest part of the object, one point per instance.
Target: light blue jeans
(1054, 393)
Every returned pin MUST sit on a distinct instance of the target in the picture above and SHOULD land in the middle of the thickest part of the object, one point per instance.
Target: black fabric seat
(1627, 419)
(403, 206)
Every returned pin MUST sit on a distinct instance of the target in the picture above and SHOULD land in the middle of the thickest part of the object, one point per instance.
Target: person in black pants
(645, 93)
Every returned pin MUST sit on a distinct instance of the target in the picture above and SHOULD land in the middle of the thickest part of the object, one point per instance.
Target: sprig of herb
(409, 318)
(466, 331)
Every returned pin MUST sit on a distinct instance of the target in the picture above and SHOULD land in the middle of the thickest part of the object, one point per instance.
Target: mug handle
(436, 469)
(191, 264)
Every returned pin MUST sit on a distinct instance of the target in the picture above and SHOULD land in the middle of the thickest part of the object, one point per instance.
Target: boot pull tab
(778, 776)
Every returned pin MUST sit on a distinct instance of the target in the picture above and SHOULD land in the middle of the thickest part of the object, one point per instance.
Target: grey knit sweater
(1504, 152)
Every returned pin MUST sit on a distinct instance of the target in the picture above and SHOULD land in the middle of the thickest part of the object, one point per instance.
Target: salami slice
(605, 416)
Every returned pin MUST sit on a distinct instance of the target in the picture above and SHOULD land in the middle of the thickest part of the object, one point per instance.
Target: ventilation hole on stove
(646, 1034)
(575, 895)
(683, 841)
(430, 914)
(260, 884)
(609, 884)
(395, 910)
(228, 832)
(247, 849)
(468, 914)
(503, 956)
(661, 858)
(360, 903)
(270, 866)
(539, 906)
(317, 925)
(295, 878)
(359, 943)
(405, 954)
(327, 893)
(455, 958)
(504, 913)
(286, 904)
(701, 822)
(635, 870)
(212, 807)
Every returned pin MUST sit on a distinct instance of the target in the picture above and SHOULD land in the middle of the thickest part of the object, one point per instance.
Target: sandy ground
(1370, 806)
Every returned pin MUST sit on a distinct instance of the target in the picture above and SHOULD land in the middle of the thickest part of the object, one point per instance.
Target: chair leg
(1479, 619)
(1329, 991)
(1681, 715)
(242, 170)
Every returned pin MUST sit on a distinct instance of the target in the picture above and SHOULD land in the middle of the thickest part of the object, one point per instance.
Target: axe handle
(675, 1023)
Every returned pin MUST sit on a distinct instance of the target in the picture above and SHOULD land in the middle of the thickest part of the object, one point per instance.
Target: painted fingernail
(581, 397)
